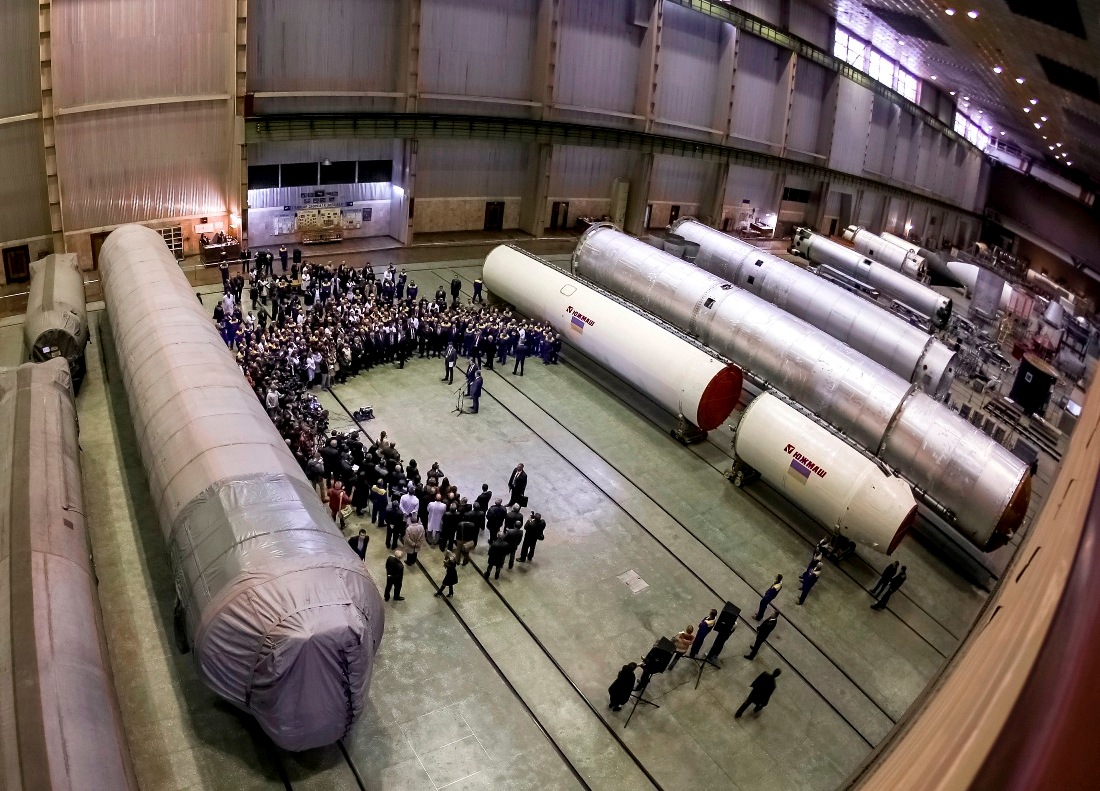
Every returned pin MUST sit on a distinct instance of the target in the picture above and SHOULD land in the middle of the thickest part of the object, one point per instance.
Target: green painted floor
(504, 685)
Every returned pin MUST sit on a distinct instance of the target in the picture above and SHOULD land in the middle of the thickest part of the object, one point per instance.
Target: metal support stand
(637, 695)
(461, 398)
(703, 662)
(687, 433)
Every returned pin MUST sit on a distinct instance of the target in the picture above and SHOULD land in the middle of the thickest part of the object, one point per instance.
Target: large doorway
(97, 243)
(494, 216)
(559, 215)
(17, 264)
(673, 214)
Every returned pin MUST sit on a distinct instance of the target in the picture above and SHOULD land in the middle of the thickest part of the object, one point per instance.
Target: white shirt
(436, 509)
(409, 504)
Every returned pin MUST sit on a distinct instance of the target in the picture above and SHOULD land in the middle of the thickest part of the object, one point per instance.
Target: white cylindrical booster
(898, 257)
(679, 376)
(821, 250)
(932, 260)
(825, 477)
(967, 275)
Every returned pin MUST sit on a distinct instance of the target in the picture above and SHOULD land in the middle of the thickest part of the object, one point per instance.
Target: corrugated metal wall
(599, 51)
(905, 152)
(143, 163)
(19, 64)
(478, 48)
(807, 129)
(853, 115)
(680, 180)
(114, 50)
(333, 45)
(811, 23)
(764, 9)
(580, 172)
(25, 204)
(691, 48)
(470, 169)
(756, 185)
(881, 138)
(870, 211)
(759, 92)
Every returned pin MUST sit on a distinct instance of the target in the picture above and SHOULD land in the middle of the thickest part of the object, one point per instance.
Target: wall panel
(767, 10)
(757, 186)
(599, 52)
(691, 50)
(115, 50)
(853, 116)
(811, 87)
(318, 151)
(19, 62)
(143, 163)
(324, 45)
(881, 138)
(468, 168)
(759, 92)
(478, 48)
(905, 151)
(580, 172)
(680, 180)
(812, 24)
(24, 204)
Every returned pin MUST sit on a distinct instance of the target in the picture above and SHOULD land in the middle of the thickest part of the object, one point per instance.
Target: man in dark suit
(513, 534)
(891, 588)
(521, 355)
(517, 485)
(762, 689)
(359, 544)
(494, 518)
(498, 551)
(395, 574)
(475, 392)
(762, 633)
(484, 498)
(533, 532)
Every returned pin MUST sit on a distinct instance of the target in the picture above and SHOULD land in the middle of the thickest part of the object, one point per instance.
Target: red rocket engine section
(679, 376)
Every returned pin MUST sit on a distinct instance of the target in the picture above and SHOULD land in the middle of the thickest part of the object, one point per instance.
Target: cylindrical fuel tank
(59, 715)
(282, 616)
(821, 250)
(845, 389)
(899, 258)
(57, 315)
(932, 260)
(677, 375)
(674, 245)
(828, 479)
(880, 335)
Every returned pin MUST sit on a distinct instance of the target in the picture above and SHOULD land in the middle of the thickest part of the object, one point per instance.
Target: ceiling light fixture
(966, 98)
(1068, 162)
(1002, 133)
(1020, 80)
(952, 92)
(972, 14)
(1034, 101)
(933, 77)
(1027, 109)
(1038, 126)
(997, 69)
(1050, 147)
(1043, 117)
(1044, 137)
(949, 11)
(1058, 144)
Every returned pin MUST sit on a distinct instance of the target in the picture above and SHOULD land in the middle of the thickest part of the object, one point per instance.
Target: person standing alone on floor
(892, 587)
(809, 579)
(769, 597)
(517, 485)
(762, 633)
(620, 689)
(395, 574)
(884, 580)
(450, 574)
(762, 689)
(359, 544)
(533, 532)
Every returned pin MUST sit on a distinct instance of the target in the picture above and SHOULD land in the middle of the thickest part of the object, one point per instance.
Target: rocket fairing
(57, 314)
(900, 258)
(678, 375)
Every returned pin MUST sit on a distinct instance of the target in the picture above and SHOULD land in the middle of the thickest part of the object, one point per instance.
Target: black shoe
(749, 656)
(399, 598)
(449, 595)
(521, 560)
(387, 598)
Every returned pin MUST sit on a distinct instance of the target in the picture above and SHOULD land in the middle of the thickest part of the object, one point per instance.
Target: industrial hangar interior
(771, 324)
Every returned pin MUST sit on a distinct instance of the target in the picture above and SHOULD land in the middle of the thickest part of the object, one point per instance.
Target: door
(725, 224)
(832, 226)
(673, 214)
(494, 215)
(97, 242)
(648, 215)
(564, 215)
(17, 264)
(555, 210)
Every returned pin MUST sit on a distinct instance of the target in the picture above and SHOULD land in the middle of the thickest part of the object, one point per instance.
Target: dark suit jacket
(353, 542)
(518, 482)
(762, 688)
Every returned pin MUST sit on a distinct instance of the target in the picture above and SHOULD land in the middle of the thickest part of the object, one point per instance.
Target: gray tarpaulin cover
(60, 725)
(57, 316)
(283, 618)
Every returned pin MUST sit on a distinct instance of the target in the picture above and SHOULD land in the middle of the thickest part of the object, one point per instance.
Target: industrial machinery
(828, 479)
(676, 374)
(981, 487)
(821, 250)
(282, 617)
(883, 337)
(58, 710)
(57, 315)
(899, 258)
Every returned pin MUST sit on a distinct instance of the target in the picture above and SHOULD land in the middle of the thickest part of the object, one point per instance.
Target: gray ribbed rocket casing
(880, 335)
(984, 485)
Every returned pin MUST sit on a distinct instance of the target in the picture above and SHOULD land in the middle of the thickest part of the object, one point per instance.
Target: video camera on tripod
(363, 413)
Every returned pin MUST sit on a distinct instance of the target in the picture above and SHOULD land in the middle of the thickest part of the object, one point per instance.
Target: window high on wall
(971, 131)
(880, 66)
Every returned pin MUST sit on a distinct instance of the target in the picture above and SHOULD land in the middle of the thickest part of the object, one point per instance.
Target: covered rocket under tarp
(282, 616)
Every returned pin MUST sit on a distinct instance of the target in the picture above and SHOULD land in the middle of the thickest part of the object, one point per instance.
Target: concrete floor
(505, 684)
